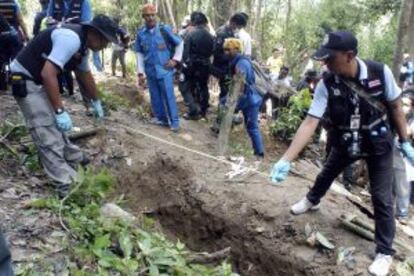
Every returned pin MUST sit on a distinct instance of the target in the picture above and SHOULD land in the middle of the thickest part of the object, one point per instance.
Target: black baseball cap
(105, 26)
(336, 41)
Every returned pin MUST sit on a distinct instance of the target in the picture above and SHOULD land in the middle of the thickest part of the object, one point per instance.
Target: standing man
(10, 10)
(159, 51)
(245, 37)
(362, 100)
(221, 62)
(119, 50)
(250, 100)
(198, 48)
(35, 87)
(40, 16)
(74, 11)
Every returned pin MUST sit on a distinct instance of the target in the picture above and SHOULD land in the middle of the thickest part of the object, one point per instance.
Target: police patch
(374, 83)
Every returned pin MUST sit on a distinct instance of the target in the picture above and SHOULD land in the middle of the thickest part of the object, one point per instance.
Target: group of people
(360, 98)
(196, 54)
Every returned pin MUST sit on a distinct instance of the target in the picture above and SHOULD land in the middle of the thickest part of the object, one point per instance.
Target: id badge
(355, 122)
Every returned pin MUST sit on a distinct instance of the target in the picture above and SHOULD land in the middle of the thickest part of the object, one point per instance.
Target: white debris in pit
(113, 211)
(238, 167)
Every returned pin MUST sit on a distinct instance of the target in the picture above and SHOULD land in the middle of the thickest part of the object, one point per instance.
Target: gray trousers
(5, 259)
(118, 54)
(57, 155)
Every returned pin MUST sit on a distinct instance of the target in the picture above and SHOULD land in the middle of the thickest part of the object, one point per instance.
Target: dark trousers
(118, 54)
(5, 259)
(66, 79)
(381, 178)
(194, 89)
(224, 90)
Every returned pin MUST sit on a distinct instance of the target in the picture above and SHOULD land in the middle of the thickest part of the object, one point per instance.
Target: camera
(352, 140)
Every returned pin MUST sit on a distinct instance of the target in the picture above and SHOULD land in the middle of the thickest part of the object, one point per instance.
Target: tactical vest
(341, 107)
(74, 10)
(34, 55)
(8, 9)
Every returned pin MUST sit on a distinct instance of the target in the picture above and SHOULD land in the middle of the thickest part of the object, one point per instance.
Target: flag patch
(374, 83)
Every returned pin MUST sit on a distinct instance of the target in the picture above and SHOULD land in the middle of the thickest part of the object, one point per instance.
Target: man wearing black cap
(362, 101)
(35, 87)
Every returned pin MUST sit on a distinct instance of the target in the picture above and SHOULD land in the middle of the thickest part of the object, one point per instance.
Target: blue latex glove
(408, 151)
(97, 107)
(63, 121)
(280, 171)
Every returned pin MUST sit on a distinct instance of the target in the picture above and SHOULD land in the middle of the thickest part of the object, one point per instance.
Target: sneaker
(303, 206)
(175, 129)
(195, 117)
(381, 265)
(155, 121)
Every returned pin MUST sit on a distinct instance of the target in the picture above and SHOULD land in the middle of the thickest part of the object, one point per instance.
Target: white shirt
(320, 99)
(246, 40)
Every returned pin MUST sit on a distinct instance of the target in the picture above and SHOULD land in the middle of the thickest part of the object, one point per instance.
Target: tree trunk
(257, 32)
(401, 42)
(222, 12)
(410, 38)
(169, 12)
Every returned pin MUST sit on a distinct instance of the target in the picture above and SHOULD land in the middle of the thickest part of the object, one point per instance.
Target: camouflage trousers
(57, 154)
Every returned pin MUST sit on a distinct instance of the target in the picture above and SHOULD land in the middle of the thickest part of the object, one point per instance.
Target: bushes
(290, 117)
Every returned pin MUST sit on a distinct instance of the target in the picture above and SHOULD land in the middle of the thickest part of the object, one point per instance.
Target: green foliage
(290, 117)
(113, 247)
(111, 101)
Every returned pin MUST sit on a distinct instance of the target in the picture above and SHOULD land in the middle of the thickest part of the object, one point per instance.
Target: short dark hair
(198, 18)
(245, 15)
(284, 68)
(238, 20)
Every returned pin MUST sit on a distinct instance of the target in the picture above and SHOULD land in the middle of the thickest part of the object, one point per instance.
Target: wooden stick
(73, 136)
(206, 258)
(236, 89)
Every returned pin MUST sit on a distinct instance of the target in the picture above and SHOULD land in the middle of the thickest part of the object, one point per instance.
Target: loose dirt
(194, 201)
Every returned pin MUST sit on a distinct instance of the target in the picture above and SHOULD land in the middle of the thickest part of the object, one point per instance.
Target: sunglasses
(149, 15)
(226, 49)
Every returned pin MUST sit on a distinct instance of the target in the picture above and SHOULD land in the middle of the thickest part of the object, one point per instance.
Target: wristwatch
(59, 110)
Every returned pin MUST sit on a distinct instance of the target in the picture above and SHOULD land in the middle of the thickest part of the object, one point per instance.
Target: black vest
(34, 55)
(74, 11)
(8, 10)
(341, 108)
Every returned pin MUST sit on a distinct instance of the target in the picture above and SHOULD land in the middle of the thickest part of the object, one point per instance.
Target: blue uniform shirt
(156, 51)
(250, 95)
(86, 9)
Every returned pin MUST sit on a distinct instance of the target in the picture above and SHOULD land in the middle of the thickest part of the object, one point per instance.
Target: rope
(200, 153)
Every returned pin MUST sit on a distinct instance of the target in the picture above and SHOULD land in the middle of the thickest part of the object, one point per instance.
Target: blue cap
(336, 41)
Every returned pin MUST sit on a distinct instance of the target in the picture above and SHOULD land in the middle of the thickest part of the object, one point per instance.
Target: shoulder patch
(374, 83)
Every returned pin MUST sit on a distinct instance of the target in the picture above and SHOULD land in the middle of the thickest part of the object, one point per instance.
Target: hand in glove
(280, 171)
(408, 151)
(63, 121)
(97, 108)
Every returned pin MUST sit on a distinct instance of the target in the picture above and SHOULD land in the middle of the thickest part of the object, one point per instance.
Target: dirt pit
(209, 216)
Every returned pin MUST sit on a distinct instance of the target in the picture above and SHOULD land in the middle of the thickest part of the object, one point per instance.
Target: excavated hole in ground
(170, 190)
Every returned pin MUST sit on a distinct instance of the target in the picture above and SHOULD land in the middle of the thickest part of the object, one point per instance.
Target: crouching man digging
(36, 90)
(362, 100)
